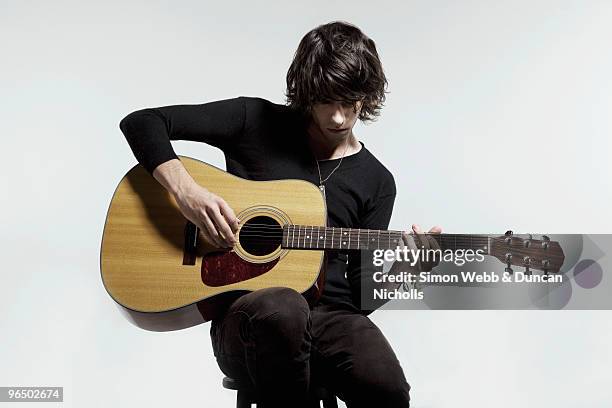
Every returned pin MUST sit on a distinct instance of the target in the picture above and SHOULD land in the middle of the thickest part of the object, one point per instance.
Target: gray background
(498, 118)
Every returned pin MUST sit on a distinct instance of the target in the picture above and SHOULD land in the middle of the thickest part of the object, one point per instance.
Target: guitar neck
(317, 237)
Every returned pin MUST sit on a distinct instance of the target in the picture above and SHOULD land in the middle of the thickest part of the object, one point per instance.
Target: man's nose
(338, 116)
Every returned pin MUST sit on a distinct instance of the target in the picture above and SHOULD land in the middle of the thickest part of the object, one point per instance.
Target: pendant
(322, 188)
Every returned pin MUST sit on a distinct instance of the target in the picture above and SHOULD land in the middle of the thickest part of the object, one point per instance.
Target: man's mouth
(337, 130)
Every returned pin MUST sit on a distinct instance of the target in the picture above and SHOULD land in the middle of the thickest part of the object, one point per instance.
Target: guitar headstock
(525, 251)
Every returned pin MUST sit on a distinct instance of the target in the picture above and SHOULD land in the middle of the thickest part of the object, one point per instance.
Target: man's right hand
(209, 212)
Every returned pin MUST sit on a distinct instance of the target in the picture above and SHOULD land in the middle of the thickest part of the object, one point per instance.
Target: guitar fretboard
(317, 237)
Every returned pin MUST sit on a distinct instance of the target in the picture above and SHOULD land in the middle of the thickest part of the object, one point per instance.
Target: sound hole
(261, 235)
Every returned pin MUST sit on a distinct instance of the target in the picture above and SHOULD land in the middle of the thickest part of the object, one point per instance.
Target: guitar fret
(349, 240)
(325, 237)
(311, 229)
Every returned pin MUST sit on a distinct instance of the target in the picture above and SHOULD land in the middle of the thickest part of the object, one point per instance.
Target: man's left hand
(416, 239)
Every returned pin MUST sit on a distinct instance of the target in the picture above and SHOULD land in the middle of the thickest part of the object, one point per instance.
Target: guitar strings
(262, 228)
(275, 236)
(252, 226)
(275, 233)
(268, 230)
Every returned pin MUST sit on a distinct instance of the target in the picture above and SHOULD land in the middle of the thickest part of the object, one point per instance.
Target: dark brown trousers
(272, 339)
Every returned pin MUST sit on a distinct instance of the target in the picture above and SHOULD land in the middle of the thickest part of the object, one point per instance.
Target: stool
(246, 394)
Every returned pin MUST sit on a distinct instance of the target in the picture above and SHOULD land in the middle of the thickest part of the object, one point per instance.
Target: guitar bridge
(190, 243)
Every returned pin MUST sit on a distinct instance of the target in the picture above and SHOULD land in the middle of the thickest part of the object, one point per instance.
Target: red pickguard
(224, 268)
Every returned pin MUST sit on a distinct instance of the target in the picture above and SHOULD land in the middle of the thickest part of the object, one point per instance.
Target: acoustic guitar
(165, 276)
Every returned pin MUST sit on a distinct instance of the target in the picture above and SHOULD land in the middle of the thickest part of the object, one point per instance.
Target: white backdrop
(498, 118)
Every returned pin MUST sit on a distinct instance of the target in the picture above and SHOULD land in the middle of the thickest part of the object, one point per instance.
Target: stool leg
(243, 399)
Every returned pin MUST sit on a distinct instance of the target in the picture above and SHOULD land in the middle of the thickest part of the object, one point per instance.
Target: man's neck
(326, 149)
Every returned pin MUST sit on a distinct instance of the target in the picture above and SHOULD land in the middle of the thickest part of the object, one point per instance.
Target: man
(272, 337)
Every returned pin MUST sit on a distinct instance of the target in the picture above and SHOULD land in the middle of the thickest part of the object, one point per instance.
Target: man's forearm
(173, 176)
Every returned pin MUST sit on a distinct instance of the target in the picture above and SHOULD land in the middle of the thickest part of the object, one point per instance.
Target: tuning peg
(545, 238)
(545, 265)
(527, 241)
(545, 241)
(509, 262)
(527, 261)
(508, 235)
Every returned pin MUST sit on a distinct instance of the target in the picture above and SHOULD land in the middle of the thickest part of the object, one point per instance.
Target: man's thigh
(351, 354)
(262, 333)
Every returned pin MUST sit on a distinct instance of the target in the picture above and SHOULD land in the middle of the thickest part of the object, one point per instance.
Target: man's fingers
(229, 215)
(212, 233)
(409, 241)
(434, 242)
(436, 230)
(206, 235)
(227, 236)
(423, 243)
(426, 243)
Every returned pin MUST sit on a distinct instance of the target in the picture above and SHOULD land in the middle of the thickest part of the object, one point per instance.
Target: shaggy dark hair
(336, 62)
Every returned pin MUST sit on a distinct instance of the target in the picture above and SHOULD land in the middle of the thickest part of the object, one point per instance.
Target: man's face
(335, 120)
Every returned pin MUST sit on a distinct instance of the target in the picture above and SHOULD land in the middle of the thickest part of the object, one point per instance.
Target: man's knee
(279, 299)
(387, 392)
(382, 384)
(282, 313)
(392, 391)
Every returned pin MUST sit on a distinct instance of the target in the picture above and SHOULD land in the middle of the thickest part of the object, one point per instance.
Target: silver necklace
(321, 180)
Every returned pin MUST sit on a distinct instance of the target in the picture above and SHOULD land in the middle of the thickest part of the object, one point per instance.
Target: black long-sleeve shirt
(266, 141)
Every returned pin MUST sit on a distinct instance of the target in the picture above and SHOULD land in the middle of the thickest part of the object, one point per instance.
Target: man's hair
(336, 62)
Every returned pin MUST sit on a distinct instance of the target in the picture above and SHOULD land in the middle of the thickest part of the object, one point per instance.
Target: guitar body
(158, 268)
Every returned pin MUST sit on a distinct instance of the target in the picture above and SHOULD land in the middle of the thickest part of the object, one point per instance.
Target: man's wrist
(182, 186)
(174, 177)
